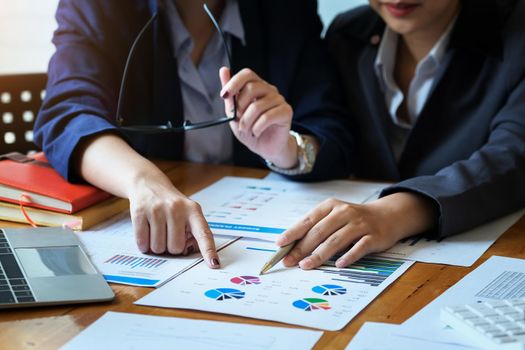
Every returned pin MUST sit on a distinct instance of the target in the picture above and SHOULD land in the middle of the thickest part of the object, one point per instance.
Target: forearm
(108, 162)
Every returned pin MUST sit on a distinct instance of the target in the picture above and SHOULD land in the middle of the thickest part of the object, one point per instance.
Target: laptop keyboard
(13, 285)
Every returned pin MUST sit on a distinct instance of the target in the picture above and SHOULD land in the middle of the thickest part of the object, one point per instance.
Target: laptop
(47, 266)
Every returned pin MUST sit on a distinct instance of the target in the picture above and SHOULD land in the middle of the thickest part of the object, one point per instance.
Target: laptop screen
(54, 261)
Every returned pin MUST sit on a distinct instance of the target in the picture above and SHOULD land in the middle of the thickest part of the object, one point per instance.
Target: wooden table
(51, 327)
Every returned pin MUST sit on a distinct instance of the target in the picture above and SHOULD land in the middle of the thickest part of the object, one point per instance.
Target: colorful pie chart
(311, 304)
(224, 294)
(329, 289)
(246, 280)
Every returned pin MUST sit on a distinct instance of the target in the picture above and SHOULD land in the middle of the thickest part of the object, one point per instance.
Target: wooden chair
(20, 100)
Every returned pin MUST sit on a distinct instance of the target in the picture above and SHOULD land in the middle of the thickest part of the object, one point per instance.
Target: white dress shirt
(420, 87)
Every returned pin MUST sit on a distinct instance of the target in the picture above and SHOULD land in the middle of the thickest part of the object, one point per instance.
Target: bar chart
(135, 261)
(368, 270)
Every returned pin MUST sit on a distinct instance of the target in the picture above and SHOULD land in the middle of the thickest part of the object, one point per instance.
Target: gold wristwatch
(306, 154)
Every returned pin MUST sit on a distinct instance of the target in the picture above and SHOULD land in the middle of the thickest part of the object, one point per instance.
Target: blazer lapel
(167, 97)
(252, 54)
(477, 34)
(377, 125)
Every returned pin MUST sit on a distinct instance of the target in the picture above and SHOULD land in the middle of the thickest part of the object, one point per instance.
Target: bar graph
(369, 270)
(136, 261)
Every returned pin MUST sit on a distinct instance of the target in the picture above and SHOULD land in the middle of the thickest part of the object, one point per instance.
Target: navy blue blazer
(283, 46)
(467, 149)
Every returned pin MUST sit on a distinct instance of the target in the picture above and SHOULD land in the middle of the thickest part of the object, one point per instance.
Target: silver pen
(278, 256)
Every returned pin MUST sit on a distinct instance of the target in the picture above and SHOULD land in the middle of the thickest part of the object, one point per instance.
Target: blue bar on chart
(368, 270)
(135, 261)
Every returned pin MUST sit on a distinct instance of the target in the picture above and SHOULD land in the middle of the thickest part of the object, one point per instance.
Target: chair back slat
(20, 100)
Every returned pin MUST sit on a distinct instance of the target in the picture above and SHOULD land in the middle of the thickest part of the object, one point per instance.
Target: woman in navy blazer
(455, 146)
(282, 71)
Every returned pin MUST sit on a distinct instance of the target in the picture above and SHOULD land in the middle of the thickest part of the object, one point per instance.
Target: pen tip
(264, 270)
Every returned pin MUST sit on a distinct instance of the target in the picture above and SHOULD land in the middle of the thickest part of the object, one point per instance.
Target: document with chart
(498, 278)
(112, 248)
(264, 209)
(326, 298)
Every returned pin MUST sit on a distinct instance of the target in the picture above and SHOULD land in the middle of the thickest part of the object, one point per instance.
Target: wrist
(305, 155)
(405, 214)
(287, 158)
(146, 176)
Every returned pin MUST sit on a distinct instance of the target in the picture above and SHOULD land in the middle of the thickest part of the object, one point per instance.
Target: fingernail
(225, 94)
(215, 262)
(305, 263)
(340, 263)
(142, 247)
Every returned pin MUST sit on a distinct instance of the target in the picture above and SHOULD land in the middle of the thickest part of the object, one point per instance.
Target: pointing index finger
(202, 233)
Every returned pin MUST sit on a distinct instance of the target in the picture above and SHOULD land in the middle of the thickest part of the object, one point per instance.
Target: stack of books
(31, 191)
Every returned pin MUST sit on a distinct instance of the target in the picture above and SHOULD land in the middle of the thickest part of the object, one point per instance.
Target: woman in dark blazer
(282, 71)
(437, 92)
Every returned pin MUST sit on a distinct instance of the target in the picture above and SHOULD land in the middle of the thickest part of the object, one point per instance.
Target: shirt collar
(386, 54)
(440, 48)
(230, 22)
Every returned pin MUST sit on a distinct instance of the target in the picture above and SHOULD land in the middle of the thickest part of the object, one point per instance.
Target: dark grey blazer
(467, 149)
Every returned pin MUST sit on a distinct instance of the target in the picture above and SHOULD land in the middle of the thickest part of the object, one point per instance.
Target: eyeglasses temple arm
(226, 48)
(126, 67)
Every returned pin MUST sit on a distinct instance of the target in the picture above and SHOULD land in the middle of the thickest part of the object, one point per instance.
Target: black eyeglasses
(168, 127)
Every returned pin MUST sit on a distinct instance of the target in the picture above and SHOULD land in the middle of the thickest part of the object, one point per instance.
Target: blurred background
(26, 28)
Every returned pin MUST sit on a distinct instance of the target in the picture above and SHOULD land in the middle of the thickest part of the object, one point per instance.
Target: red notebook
(32, 181)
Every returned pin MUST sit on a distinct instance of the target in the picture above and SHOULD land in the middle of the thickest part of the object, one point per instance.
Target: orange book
(81, 220)
(31, 181)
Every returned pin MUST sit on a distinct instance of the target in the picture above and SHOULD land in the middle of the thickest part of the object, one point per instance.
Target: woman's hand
(360, 229)
(264, 117)
(164, 220)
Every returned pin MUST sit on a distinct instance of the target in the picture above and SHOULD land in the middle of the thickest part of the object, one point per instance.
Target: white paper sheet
(132, 331)
(462, 249)
(325, 298)
(264, 209)
(497, 278)
(112, 248)
(381, 336)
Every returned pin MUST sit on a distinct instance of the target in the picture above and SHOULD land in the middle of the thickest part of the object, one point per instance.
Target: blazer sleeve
(318, 104)
(487, 185)
(82, 83)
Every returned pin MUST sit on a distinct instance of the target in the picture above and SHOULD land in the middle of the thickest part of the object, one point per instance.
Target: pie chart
(224, 294)
(311, 304)
(329, 289)
(246, 280)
